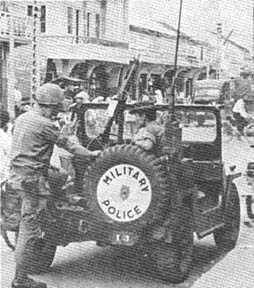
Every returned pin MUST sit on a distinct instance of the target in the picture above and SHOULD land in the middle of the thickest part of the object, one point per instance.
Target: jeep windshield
(196, 125)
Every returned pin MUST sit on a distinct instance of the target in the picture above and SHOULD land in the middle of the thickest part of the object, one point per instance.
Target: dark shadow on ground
(108, 265)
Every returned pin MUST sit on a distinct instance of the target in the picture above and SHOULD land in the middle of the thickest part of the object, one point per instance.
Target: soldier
(33, 140)
(149, 132)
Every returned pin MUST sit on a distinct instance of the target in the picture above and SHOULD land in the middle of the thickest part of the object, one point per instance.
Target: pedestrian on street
(243, 109)
(17, 100)
(34, 137)
(78, 113)
(76, 108)
(5, 144)
(158, 97)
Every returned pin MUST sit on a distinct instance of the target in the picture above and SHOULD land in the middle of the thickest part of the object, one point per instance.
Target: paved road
(86, 265)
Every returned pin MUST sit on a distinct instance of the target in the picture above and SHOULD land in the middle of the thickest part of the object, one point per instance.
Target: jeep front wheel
(172, 261)
(226, 237)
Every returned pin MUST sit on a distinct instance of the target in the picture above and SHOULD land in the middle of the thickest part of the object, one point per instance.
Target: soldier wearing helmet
(34, 137)
(243, 109)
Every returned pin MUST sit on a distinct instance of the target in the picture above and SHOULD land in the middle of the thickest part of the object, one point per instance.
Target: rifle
(121, 96)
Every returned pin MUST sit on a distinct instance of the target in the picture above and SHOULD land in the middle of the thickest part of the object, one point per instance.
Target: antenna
(172, 110)
(172, 133)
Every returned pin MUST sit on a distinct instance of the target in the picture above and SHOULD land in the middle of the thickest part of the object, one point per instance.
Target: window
(43, 19)
(77, 22)
(97, 27)
(70, 20)
(88, 19)
(30, 10)
(103, 17)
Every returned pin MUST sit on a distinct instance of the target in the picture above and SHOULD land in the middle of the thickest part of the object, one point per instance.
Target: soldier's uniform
(151, 131)
(34, 137)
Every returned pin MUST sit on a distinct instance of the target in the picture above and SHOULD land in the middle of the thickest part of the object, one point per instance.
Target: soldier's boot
(27, 283)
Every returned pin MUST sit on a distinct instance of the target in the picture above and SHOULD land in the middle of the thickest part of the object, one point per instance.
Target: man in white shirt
(158, 97)
(241, 111)
(17, 100)
(5, 144)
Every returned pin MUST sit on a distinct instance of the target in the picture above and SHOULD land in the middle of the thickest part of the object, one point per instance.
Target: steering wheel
(97, 141)
(101, 145)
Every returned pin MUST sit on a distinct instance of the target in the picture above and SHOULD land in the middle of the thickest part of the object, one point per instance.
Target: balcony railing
(22, 26)
(84, 40)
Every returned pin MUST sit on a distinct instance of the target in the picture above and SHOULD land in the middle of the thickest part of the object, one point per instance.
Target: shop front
(100, 67)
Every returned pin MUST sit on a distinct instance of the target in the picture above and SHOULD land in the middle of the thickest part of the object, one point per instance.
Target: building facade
(96, 40)
(15, 31)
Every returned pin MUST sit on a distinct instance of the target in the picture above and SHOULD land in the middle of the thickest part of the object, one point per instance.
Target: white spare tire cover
(124, 193)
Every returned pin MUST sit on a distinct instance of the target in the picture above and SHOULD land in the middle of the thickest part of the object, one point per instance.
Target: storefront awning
(88, 52)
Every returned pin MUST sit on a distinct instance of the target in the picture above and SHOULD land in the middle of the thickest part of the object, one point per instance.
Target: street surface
(83, 265)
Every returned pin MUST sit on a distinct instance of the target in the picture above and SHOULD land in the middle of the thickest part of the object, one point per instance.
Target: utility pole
(253, 39)
(219, 50)
(35, 79)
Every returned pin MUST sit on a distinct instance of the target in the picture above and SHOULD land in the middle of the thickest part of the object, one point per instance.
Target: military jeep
(153, 201)
(150, 201)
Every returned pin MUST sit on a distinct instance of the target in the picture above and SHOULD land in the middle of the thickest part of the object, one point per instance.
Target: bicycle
(229, 130)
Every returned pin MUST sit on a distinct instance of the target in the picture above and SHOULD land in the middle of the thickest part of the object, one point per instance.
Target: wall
(117, 20)
(161, 50)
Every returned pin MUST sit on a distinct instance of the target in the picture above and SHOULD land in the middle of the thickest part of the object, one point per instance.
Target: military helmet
(50, 94)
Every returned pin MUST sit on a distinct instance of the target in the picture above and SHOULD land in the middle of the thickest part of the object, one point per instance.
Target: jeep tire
(226, 237)
(172, 261)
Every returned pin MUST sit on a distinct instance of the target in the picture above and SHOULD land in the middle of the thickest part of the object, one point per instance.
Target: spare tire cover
(127, 187)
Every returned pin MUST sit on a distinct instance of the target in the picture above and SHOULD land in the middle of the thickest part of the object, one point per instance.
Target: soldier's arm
(145, 140)
(145, 144)
(52, 134)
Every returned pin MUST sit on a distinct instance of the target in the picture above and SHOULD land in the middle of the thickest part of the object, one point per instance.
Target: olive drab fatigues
(33, 141)
(152, 131)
